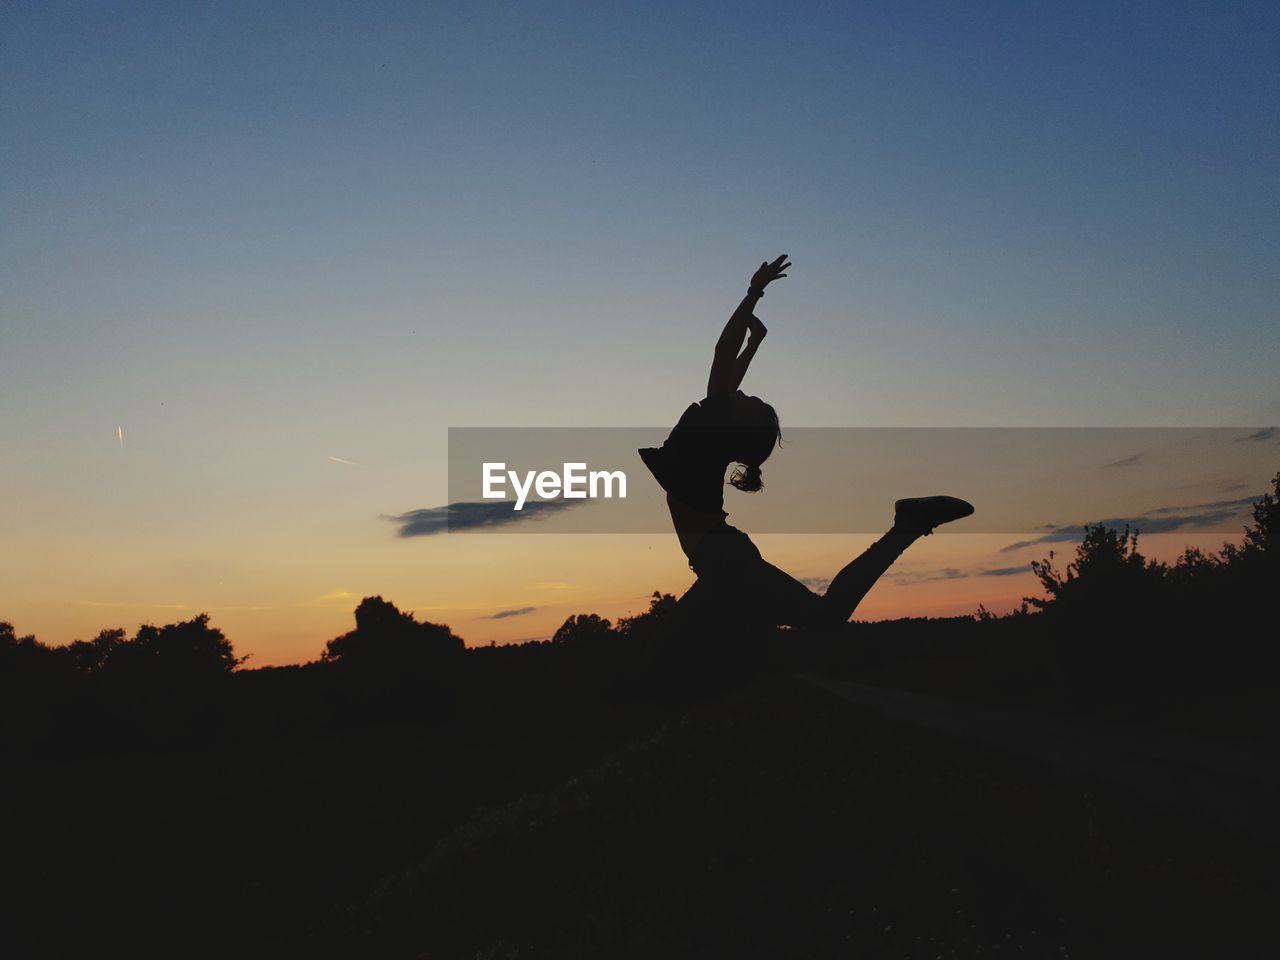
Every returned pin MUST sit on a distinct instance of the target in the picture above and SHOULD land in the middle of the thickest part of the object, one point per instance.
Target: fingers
(769, 272)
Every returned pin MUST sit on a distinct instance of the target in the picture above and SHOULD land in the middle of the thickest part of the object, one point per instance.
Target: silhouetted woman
(734, 582)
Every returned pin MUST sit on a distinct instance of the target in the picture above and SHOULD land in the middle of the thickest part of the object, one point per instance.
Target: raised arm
(730, 362)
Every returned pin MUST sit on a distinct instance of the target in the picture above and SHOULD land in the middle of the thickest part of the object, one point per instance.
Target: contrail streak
(350, 463)
(120, 436)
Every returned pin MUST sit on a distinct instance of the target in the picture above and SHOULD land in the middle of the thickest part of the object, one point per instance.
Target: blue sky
(258, 235)
(1066, 193)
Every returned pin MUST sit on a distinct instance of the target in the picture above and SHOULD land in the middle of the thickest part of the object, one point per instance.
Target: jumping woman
(735, 584)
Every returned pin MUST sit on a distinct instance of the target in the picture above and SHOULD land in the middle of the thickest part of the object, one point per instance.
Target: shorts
(736, 585)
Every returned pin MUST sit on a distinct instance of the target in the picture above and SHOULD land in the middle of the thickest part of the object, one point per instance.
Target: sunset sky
(257, 258)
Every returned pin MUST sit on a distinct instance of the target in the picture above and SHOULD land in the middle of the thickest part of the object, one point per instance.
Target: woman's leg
(860, 575)
(912, 518)
(740, 585)
(759, 593)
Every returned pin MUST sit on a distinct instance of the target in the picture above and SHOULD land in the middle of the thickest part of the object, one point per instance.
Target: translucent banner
(1046, 481)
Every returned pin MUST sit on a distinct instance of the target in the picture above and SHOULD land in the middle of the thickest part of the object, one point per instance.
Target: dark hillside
(783, 822)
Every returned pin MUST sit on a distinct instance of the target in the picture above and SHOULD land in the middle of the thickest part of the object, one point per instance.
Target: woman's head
(755, 433)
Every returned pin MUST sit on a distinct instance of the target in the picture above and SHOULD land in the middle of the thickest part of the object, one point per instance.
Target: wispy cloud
(1231, 506)
(504, 614)
(472, 516)
(1160, 520)
(1266, 433)
(1004, 571)
(1127, 461)
(133, 606)
(915, 577)
(343, 460)
(819, 584)
(910, 578)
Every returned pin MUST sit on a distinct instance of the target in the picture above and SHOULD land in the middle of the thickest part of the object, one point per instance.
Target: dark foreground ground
(1094, 778)
(781, 821)
(776, 820)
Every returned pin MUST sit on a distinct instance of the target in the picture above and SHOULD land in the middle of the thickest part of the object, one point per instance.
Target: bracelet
(758, 291)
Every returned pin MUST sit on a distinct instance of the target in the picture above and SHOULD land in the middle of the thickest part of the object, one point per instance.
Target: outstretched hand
(770, 272)
(730, 363)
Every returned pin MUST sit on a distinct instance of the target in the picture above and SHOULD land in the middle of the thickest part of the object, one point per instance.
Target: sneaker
(925, 513)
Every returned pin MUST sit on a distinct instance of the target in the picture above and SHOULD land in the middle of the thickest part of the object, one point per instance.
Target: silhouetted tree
(188, 650)
(1103, 614)
(387, 636)
(392, 666)
(1129, 630)
(1257, 559)
(583, 628)
(17, 653)
(88, 657)
(1107, 566)
(30, 673)
(658, 618)
(1196, 572)
(1261, 538)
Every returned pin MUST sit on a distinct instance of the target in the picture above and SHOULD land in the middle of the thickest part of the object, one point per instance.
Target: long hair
(757, 434)
(747, 478)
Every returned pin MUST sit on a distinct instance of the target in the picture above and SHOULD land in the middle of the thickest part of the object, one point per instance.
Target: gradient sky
(257, 236)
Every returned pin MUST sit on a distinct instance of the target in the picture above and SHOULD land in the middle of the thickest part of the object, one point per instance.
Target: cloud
(472, 516)
(1258, 435)
(1127, 461)
(1004, 571)
(910, 578)
(1160, 520)
(818, 584)
(503, 614)
(1231, 506)
(134, 606)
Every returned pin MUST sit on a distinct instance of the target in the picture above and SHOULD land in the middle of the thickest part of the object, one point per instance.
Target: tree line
(1114, 629)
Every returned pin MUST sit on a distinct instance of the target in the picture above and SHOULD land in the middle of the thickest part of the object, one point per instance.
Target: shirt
(690, 464)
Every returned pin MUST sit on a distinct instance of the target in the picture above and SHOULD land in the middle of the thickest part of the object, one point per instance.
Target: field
(772, 820)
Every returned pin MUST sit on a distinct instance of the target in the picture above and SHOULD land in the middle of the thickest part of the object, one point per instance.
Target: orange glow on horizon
(535, 585)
